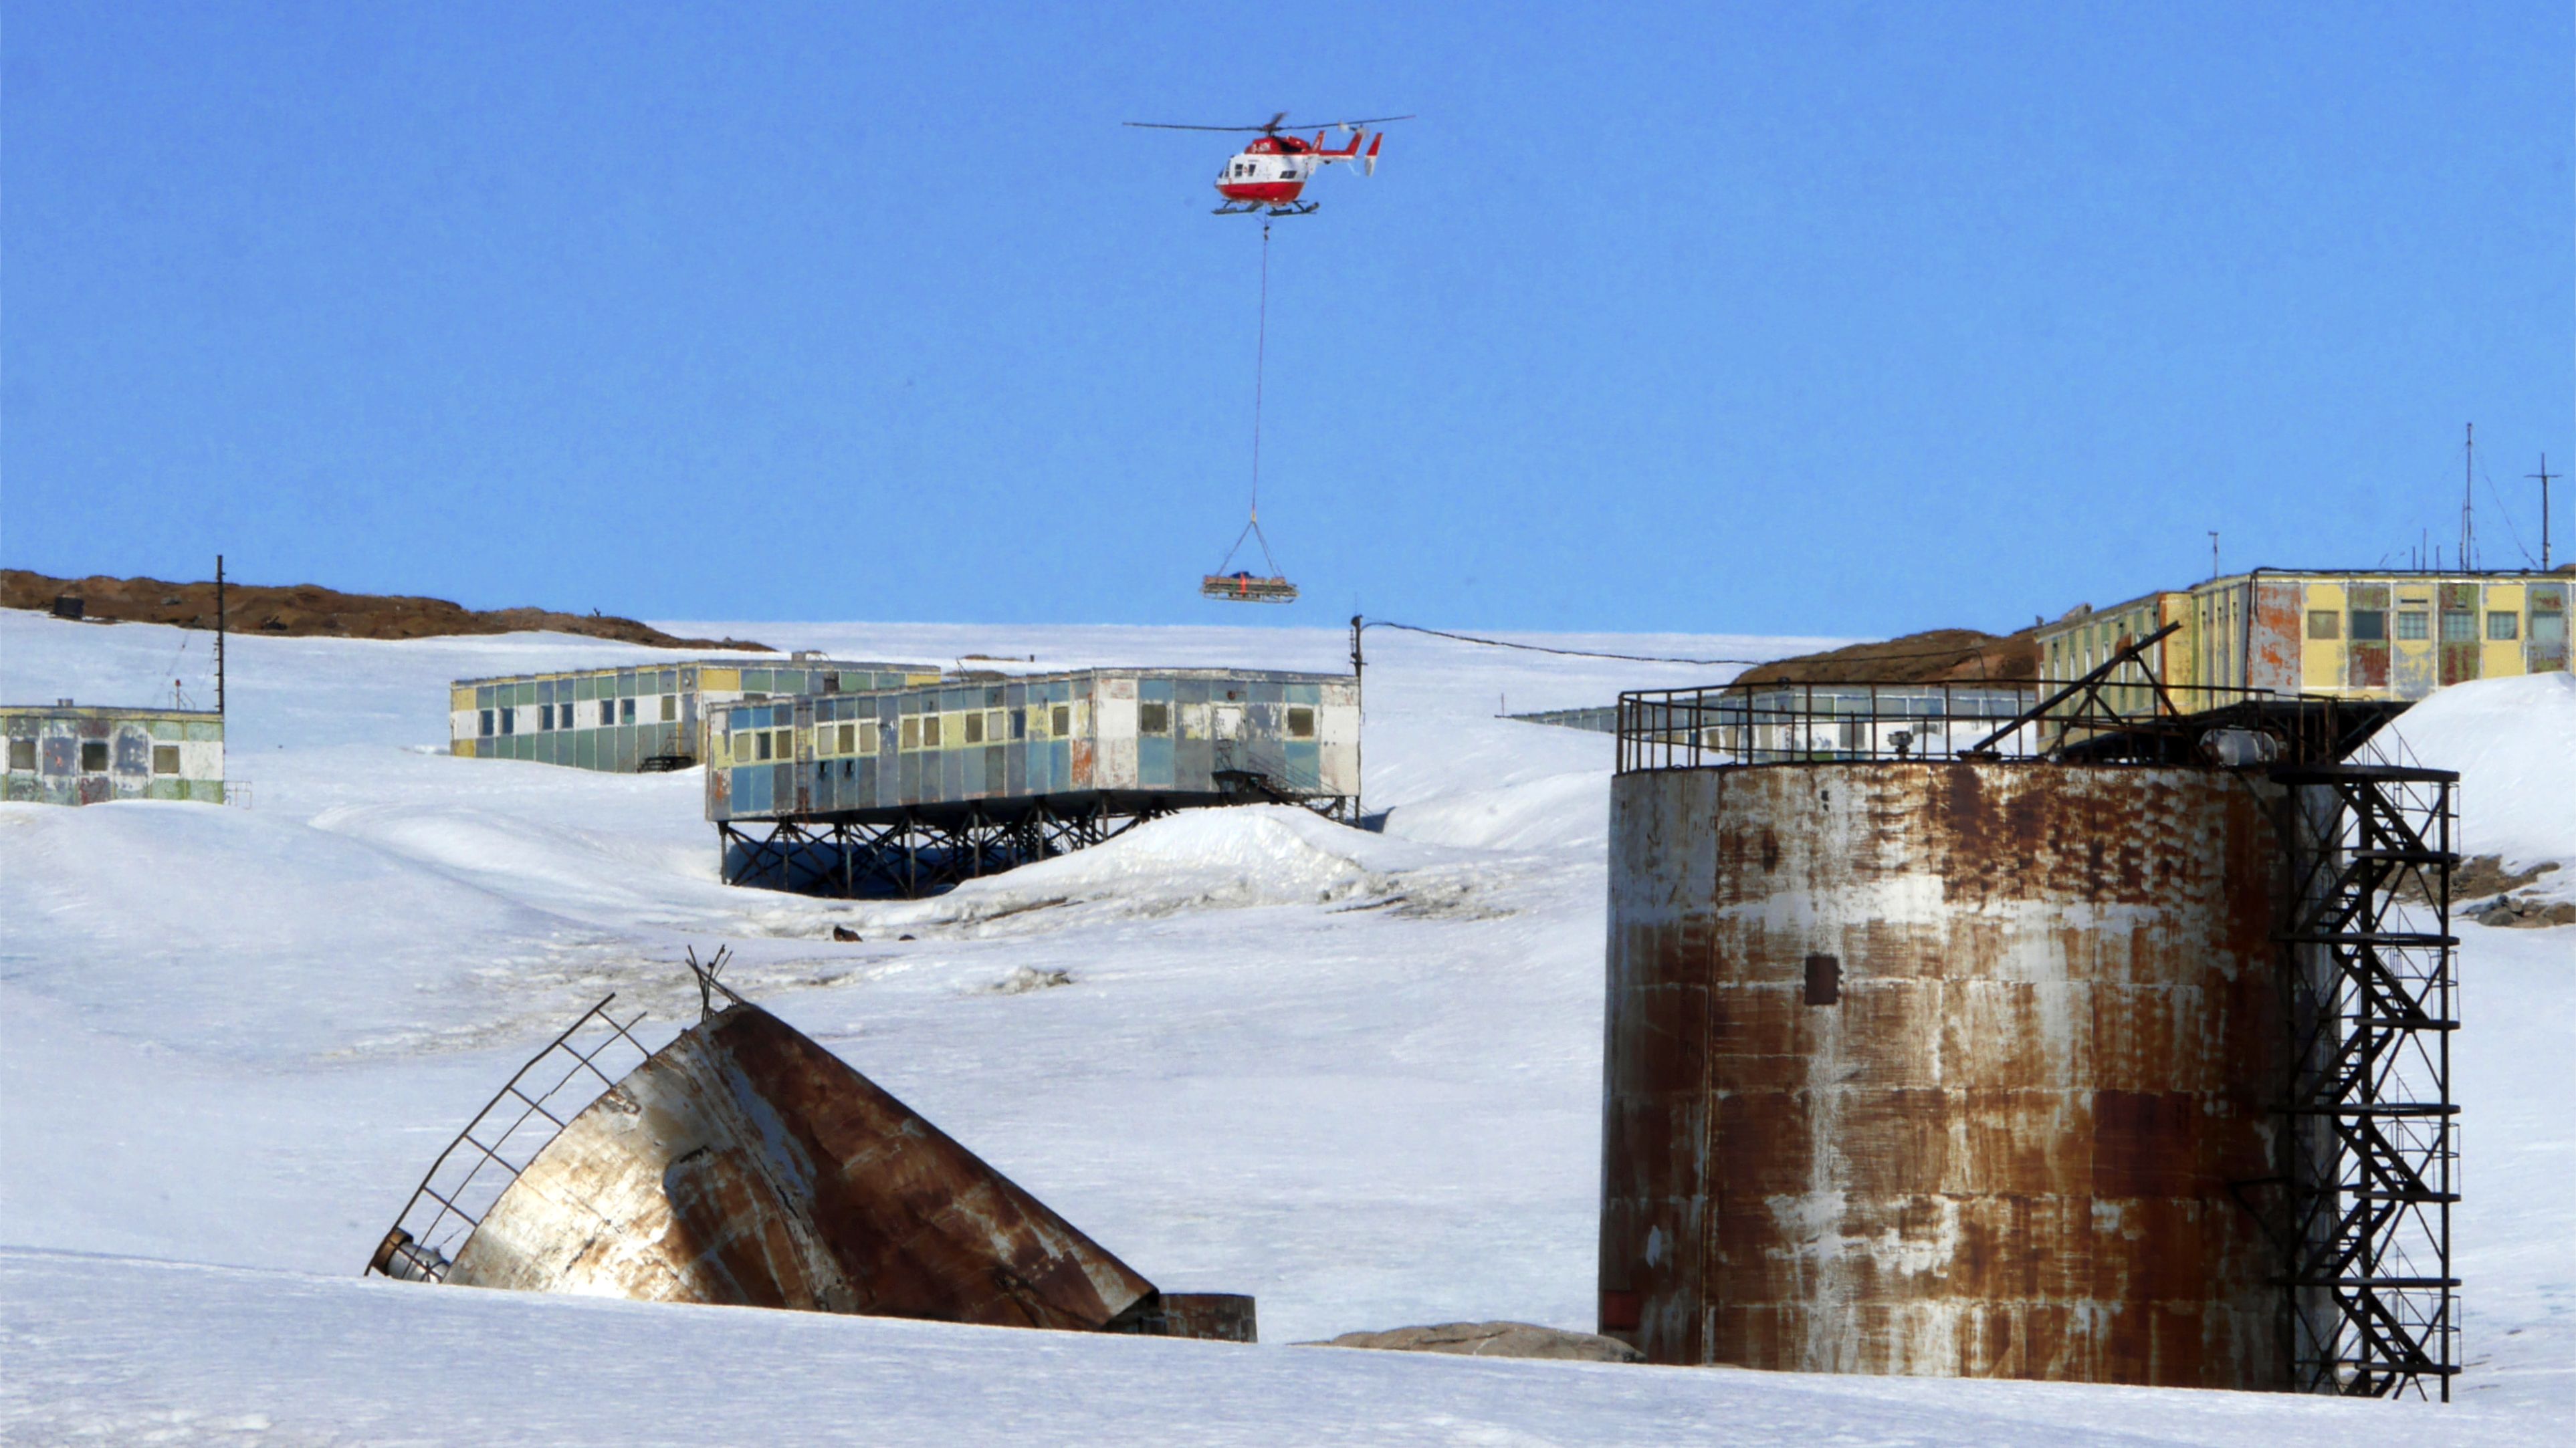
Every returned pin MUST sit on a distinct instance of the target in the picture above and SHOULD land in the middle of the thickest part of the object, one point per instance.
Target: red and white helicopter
(1270, 174)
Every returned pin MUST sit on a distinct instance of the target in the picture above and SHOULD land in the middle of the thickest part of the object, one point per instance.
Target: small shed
(66, 753)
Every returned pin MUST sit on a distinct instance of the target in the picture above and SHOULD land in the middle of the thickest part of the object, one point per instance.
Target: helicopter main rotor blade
(1168, 126)
(1275, 125)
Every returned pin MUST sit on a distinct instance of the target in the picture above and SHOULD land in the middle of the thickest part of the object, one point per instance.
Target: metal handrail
(1807, 723)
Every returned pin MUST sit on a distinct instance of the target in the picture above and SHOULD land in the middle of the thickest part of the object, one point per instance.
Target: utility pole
(219, 636)
(1359, 696)
(2468, 497)
(2543, 475)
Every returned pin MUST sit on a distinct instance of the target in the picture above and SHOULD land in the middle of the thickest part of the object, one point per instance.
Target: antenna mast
(2543, 476)
(2468, 496)
(219, 635)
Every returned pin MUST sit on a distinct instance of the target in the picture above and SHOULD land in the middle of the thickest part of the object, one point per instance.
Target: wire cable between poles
(1544, 649)
(1957, 653)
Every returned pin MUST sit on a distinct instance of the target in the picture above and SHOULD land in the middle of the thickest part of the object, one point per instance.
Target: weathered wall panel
(2005, 1147)
(2378, 635)
(615, 719)
(83, 754)
(1004, 742)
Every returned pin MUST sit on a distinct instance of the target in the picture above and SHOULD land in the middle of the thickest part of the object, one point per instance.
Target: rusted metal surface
(1942, 1068)
(1217, 1316)
(744, 1164)
(2272, 643)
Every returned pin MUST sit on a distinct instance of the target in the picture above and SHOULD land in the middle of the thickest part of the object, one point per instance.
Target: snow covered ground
(1354, 1075)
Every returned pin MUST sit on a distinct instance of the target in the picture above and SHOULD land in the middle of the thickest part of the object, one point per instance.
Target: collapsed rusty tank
(743, 1164)
(1935, 1061)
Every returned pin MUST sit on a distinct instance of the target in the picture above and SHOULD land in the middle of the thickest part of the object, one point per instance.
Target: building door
(1226, 721)
(2366, 657)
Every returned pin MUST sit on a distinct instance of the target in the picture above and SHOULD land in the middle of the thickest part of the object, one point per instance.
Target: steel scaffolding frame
(2368, 1145)
(921, 853)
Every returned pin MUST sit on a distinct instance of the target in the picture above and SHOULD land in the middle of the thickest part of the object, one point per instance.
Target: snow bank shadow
(1245, 858)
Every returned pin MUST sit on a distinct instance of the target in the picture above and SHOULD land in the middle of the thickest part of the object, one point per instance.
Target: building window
(1154, 718)
(2503, 626)
(2324, 623)
(1061, 723)
(993, 725)
(763, 738)
(165, 759)
(930, 731)
(1019, 724)
(509, 721)
(22, 754)
(487, 724)
(545, 718)
(787, 744)
(910, 737)
(1301, 722)
(2459, 628)
(626, 711)
(2369, 625)
(849, 738)
(974, 728)
(93, 756)
(670, 708)
(2412, 623)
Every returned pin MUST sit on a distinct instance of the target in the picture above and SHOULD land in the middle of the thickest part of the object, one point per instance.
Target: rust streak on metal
(744, 1164)
(2007, 1147)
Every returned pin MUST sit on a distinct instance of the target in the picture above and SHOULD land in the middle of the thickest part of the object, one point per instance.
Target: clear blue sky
(1798, 318)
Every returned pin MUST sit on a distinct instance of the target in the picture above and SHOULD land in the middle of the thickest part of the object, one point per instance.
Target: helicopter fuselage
(1272, 172)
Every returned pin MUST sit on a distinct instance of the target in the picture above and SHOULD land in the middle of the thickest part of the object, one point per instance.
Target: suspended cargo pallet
(1248, 588)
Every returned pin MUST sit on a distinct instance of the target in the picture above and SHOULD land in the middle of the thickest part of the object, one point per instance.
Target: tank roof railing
(1830, 723)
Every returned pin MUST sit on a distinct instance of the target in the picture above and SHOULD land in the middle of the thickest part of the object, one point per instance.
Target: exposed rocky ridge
(1936, 656)
(305, 609)
(1494, 1339)
(2483, 890)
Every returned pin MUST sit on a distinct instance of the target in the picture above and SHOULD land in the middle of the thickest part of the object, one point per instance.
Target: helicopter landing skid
(1255, 208)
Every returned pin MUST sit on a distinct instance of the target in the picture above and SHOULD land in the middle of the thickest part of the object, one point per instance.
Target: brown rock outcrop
(306, 609)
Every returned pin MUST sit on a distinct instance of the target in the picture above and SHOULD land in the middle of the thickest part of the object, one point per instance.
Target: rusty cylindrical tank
(1943, 1068)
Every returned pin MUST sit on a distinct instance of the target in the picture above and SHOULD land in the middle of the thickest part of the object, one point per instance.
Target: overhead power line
(1639, 658)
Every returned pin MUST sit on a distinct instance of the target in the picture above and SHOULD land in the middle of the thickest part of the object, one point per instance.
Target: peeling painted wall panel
(76, 754)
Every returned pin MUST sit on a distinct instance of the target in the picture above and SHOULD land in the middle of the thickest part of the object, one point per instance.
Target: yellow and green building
(641, 716)
(2351, 634)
